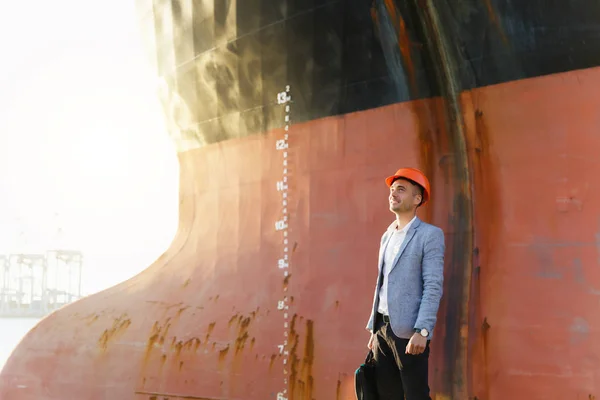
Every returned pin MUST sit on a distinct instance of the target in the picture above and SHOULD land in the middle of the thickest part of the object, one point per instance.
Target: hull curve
(266, 288)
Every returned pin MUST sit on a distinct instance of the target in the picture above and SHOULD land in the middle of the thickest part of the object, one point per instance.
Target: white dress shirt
(392, 248)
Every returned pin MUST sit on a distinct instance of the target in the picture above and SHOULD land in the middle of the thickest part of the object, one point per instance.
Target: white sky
(82, 136)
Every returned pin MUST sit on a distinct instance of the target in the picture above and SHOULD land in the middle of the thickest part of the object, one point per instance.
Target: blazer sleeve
(433, 280)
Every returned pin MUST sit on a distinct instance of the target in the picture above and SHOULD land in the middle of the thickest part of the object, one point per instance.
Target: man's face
(404, 196)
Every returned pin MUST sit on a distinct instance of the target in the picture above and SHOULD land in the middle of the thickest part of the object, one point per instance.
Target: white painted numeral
(280, 305)
(280, 225)
(281, 186)
(280, 396)
(280, 348)
(282, 264)
(281, 144)
(283, 97)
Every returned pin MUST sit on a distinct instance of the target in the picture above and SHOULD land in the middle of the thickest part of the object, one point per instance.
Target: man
(408, 292)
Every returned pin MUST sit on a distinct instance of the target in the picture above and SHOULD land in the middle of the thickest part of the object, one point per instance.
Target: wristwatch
(423, 332)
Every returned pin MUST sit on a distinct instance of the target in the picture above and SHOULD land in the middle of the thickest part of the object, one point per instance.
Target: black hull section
(223, 61)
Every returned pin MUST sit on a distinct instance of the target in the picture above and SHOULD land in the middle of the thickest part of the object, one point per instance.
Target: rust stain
(301, 379)
(211, 326)
(187, 345)
(486, 190)
(180, 365)
(187, 282)
(232, 319)
(242, 335)
(240, 342)
(484, 336)
(338, 390)
(405, 44)
(273, 358)
(486, 186)
(373, 12)
(222, 355)
(119, 325)
(391, 8)
(178, 347)
(495, 20)
(156, 337)
(181, 310)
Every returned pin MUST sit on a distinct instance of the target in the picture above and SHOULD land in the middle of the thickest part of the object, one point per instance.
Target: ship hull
(267, 287)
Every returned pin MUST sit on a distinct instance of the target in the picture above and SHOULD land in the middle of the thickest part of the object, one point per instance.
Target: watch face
(424, 332)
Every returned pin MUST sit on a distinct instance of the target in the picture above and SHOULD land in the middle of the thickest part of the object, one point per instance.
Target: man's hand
(370, 344)
(416, 344)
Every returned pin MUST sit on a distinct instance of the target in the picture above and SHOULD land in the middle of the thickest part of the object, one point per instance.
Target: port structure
(34, 285)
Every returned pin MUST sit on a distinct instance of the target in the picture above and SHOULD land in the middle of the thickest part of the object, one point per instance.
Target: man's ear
(419, 199)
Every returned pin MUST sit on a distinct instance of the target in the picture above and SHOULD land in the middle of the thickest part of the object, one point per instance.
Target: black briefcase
(364, 379)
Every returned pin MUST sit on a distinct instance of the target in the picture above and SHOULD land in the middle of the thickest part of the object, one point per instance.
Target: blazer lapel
(409, 235)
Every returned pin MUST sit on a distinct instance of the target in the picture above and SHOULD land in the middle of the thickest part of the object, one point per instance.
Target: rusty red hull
(513, 167)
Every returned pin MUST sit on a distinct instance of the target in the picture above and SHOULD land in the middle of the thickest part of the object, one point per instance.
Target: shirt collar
(406, 227)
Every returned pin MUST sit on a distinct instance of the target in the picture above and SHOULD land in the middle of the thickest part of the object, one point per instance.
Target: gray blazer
(415, 283)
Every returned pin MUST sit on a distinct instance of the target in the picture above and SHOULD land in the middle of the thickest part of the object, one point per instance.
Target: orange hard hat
(414, 175)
